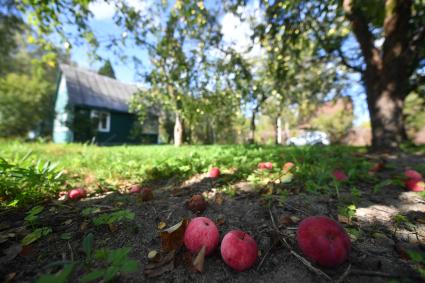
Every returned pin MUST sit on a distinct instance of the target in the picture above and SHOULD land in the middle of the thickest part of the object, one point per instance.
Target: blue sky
(236, 33)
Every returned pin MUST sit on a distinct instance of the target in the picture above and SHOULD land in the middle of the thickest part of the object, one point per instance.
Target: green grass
(111, 165)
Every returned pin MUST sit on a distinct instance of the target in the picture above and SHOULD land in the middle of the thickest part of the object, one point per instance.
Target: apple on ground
(214, 173)
(197, 203)
(201, 232)
(413, 174)
(77, 194)
(239, 250)
(265, 165)
(324, 241)
(135, 189)
(146, 194)
(340, 175)
(288, 166)
(415, 185)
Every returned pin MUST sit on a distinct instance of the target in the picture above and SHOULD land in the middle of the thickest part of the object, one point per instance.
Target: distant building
(93, 108)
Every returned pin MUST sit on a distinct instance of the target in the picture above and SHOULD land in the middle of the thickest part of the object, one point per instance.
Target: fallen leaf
(161, 225)
(84, 226)
(65, 236)
(10, 253)
(113, 227)
(219, 199)
(9, 277)
(165, 264)
(285, 220)
(153, 256)
(26, 250)
(67, 222)
(172, 238)
(344, 219)
(198, 262)
(220, 221)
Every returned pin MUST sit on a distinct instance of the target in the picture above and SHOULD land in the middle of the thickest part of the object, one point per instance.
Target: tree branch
(346, 63)
(365, 38)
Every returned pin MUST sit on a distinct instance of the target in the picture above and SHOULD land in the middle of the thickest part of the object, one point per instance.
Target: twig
(72, 251)
(264, 257)
(299, 257)
(344, 275)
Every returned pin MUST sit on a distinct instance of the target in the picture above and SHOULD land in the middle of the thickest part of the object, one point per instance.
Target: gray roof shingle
(91, 89)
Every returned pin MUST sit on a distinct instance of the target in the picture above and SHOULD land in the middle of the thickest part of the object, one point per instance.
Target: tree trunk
(278, 130)
(252, 127)
(178, 130)
(385, 101)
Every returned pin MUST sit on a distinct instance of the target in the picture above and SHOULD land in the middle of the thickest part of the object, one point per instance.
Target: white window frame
(97, 114)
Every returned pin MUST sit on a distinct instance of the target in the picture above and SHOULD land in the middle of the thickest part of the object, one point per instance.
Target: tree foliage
(107, 70)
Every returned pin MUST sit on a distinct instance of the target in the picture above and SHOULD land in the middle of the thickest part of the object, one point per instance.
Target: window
(104, 120)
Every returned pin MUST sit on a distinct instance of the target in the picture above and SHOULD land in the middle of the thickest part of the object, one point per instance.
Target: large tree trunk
(178, 130)
(385, 105)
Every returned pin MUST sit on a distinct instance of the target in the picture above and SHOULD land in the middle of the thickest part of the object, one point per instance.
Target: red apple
(201, 232)
(197, 203)
(214, 172)
(323, 241)
(265, 165)
(413, 174)
(146, 194)
(135, 189)
(239, 250)
(288, 166)
(339, 175)
(77, 194)
(415, 185)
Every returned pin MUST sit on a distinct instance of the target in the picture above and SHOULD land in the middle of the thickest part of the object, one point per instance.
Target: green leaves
(60, 277)
(88, 245)
(35, 235)
(114, 217)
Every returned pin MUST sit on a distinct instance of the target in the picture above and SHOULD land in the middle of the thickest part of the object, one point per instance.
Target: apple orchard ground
(385, 222)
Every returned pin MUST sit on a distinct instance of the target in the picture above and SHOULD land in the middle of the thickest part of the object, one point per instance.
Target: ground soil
(377, 254)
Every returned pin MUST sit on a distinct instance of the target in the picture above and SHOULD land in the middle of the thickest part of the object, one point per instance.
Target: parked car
(309, 138)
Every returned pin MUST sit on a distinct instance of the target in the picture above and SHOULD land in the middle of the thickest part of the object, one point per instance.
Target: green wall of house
(120, 131)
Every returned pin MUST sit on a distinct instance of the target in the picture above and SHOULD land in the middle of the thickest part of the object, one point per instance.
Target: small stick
(344, 275)
(72, 251)
(264, 257)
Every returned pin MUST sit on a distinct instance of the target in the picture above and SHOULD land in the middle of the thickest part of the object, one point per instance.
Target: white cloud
(105, 11)
(237, 33)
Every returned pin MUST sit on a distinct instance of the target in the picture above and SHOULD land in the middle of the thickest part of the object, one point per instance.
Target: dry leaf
(219, 199)
(220, 221)
(172, 238)
(26, 250)
(344, 219)
(9, 277)
(285, 220)
(113, 227)
(197, 203)
(198, 262)
(165, 264)
(153, 256)
(161, 225)
(84, 225)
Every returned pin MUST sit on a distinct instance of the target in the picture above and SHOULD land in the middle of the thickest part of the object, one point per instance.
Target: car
(309, 138)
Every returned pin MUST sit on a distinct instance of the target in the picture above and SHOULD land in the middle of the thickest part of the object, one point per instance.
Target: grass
(112, 165)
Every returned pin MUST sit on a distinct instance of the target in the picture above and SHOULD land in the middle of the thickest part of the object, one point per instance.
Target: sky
(235, 33)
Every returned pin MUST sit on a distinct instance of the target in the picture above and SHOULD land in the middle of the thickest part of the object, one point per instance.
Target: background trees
(209, 89)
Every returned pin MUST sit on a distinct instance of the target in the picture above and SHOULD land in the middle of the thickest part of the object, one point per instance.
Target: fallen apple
(197, 203)
(288, 166)
(239, 250)
(323, 241)
(201, 232)
(135, 189)
(415, 185)
(146, 194)
(413, 174)
(265, 165)
(339, 175)
(77, 194)
(214, 173)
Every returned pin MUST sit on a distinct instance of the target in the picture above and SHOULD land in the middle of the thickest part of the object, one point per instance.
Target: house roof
(91, 89)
